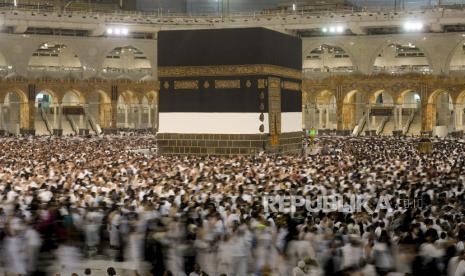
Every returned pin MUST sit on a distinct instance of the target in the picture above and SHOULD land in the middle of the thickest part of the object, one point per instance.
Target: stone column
(55, 113)
(114, 109)
(2, 122)
(313, 116)
(327, 117)
(155, 117)
(60, 117)
(339, 108)
(396, 117)
(426, 110)
(149, 115)
(460, 118)
(400, 118)
(32, 109)
(453, 120)
(320, 118)
(305, 116)
(81, 121)
(126, 124)
(86, 116)
(139, 116)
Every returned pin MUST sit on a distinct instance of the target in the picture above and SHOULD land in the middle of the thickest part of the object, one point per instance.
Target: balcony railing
(91, 10)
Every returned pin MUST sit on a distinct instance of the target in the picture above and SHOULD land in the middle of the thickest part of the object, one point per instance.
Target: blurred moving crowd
(64, 201)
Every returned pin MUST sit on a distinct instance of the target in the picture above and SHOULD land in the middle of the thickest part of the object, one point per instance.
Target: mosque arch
(460, 98)
(73, 121)
(457, 58)
(401, 57)
(324, 96)
(46, 112)
(328, 58)
(326, 110)
(381, 117)
(408, 112)
(126, 59)
(14, 111)
(381, 98)
(459, 110)
(353, 109)
(98, 109)
(127, 110)
(45, 98)
(440, 105)
(152, 97)
(409, 98)
(147, 111)
(54, 57)
(72, 97)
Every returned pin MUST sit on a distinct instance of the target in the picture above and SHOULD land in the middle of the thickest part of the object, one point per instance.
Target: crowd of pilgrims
(75, 199)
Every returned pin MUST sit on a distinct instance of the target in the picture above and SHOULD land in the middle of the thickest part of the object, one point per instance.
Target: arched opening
(444, 114)
(457, 63)
(128, 111)
(150, 107)
(98, 111)
(127, 61)
(440, 113)
(354, 115)
(459, 111)
(56, 59)
(43, 100)
(409, 116)
(14, 110)
(325, 117)
(327, 58)
(399, 58)
(148, 118)
(46, 113)
(383, 98)
(72, 119)
(381, 119)
(71, 98)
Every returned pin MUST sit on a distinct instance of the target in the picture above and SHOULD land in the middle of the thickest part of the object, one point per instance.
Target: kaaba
(229, 91)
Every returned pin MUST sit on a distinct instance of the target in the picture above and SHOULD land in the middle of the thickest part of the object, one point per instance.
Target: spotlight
(324, 30)
(332, 29)
(413, 26)
(119, 31)
(339, 29)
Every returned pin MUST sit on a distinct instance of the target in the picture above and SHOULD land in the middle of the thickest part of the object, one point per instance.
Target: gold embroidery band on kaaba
(228, 70)
(290, 85)
(187, 84)
(274, 83)
(221, 84)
